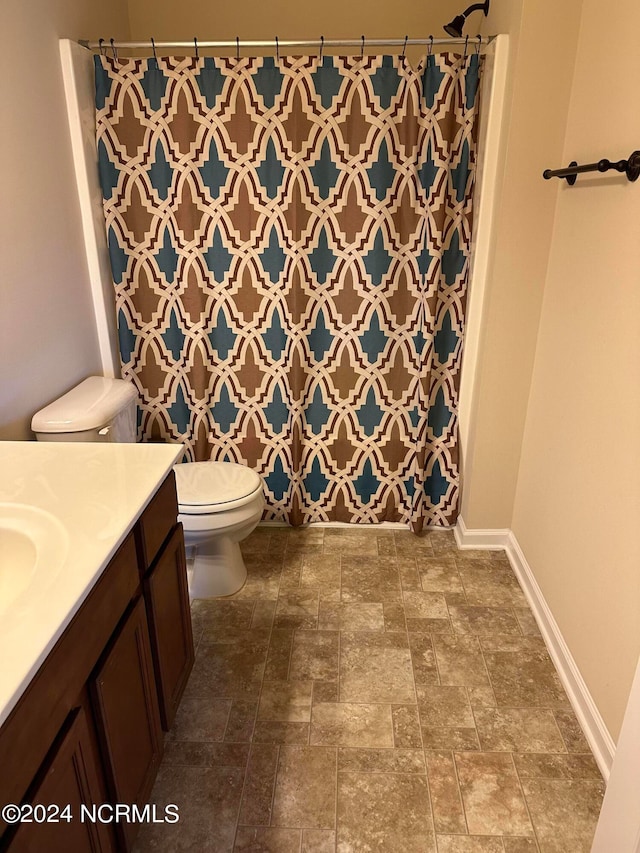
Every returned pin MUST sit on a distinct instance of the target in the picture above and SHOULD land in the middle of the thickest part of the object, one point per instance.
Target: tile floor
(373, 691)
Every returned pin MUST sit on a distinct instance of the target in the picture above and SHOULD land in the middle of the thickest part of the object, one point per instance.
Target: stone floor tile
(314, 656)
(423, 659)
(525, 679)
(572, 734)
(469, 619)
(200, 719)
(491, 794)
(285, 701)
(274, 660)
(301, 537)
(345, 724)
(429, 626)
(425, 605)
(305, 794)
(376, 668)
(460, 661)
(527, 621)
(468, 844)
(481, 697)
(449, 738)
(448, 814)
(412, 545)
(406, 727)
(358, 542)
(318, 841)
(520, 845)
(444, 706)
(518, 730)
(297, 609)
(545, 766)
(263, 582)
(511, 643)
(321, 572)
(394, 616)
(208, 799)
(381, 760)
(215, 615)
(409, 577)
(390, 797)
(263, 839)
(439, 574)
(263, 614)
(336, 616)
(443, 542)
(278, 654)
(257, 795)
(229, 669)
(369, 579)
(242, 718)
(476, 555)
(564, 813)
(489, 585)
(204, 754)
(325, 691)
(266, 731)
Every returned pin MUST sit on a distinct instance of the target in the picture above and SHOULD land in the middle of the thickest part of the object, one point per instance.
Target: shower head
(455, 27)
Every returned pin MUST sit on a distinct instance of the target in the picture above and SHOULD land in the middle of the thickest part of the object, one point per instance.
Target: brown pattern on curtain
(290, 250)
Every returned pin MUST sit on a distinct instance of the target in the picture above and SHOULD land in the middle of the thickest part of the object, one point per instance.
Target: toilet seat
(205, 488)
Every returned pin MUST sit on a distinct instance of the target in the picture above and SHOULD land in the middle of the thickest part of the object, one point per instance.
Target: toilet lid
(205, 487)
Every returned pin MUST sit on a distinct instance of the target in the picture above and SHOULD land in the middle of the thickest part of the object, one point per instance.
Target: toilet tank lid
(91, 404)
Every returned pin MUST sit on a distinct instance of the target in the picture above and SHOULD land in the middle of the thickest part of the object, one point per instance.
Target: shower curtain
(290, 245)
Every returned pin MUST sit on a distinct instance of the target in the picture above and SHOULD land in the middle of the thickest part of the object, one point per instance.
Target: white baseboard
(591, 722)
(485, 540)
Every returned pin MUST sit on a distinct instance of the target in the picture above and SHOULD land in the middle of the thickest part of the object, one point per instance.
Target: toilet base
(218, 569)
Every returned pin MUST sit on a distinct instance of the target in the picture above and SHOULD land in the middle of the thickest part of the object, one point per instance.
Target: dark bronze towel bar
(630, 167)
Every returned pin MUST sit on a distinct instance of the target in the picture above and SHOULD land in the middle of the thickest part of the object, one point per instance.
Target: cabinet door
(127, 716)
(167, 598)
(72, 776)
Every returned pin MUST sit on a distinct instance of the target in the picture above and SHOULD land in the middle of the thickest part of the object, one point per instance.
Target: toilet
(219, 503)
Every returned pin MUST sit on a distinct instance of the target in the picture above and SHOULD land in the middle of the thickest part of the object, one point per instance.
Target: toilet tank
(98, 409)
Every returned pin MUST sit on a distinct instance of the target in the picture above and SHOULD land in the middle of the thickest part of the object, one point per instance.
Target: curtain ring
(430, 49)
(113, 48)
(277, 50)
(321, 46)
(195, 41)
(478, 45)
(237, 47)
(362, 49)
(466, 45)
(404, 47)
(153, 48)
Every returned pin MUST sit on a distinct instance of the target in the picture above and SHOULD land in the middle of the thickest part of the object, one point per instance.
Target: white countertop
(96, 492)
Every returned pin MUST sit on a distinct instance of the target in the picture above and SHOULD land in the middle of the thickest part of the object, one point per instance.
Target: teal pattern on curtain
(290, 246)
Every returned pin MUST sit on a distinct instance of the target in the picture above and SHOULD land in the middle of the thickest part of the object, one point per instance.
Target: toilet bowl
(219, 503)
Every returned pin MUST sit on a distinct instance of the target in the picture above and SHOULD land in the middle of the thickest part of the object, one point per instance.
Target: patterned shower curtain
(290, 245)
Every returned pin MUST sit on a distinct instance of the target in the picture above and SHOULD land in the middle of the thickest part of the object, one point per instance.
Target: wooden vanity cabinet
(72, 775)
(88, 729)
(125, 705)
(167, 599)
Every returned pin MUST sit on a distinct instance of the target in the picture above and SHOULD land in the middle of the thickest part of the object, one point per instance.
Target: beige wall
(542, 58)
(577, 504)
(248, 19)
(47, 330)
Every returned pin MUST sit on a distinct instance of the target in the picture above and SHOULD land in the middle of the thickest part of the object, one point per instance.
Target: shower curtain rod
(275, 43)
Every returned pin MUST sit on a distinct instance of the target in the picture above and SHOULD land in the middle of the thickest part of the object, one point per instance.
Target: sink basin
(33, 548)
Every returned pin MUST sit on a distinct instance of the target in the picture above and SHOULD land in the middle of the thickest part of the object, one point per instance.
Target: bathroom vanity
(95, 644)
